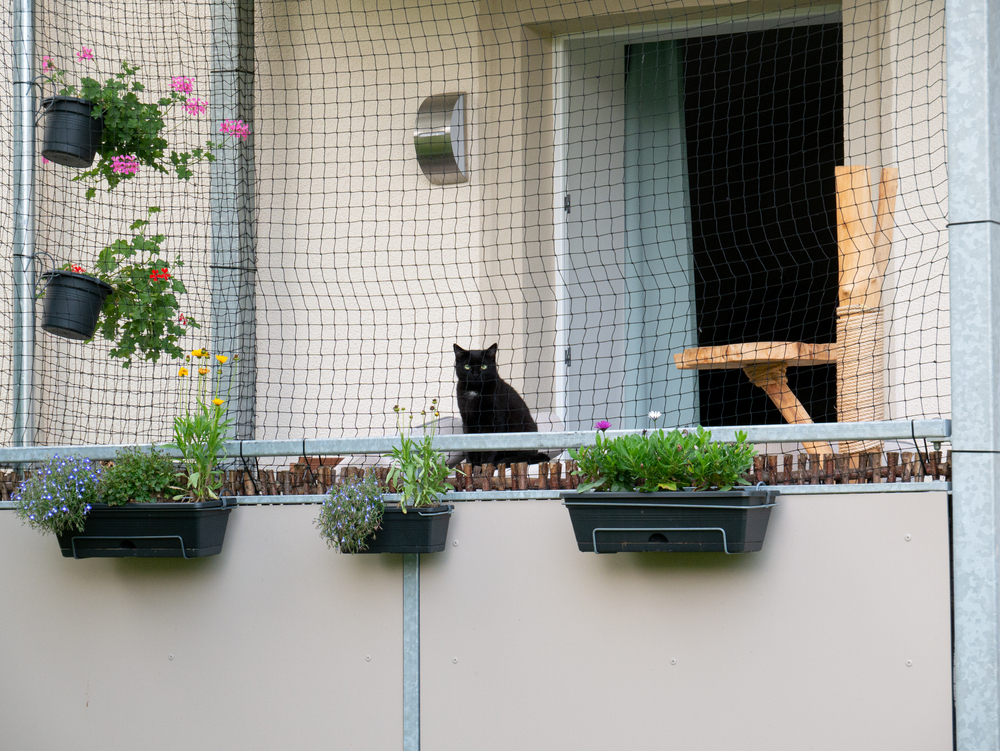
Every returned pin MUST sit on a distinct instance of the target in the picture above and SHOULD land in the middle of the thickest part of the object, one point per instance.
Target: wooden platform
(792, 354)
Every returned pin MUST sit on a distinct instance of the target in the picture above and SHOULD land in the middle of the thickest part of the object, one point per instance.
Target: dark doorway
(764, 123)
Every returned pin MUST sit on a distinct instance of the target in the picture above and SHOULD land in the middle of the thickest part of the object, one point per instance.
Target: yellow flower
(202, 371)
(196, 353)
(182, 372)
(218, 402)
(222, 359)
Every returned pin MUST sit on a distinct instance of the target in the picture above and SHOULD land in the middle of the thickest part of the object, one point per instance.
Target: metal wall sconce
(439, 139)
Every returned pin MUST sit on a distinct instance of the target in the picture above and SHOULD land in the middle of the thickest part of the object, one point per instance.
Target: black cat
(489, 404)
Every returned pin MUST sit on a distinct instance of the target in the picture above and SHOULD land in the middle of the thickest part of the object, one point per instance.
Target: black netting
(611, 186)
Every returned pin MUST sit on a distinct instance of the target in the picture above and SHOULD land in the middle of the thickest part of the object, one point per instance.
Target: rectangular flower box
(421, 530)
(150, 530)
(732, 521)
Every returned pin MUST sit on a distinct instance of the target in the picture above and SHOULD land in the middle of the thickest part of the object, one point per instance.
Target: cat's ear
(491, 353)
(459, 352)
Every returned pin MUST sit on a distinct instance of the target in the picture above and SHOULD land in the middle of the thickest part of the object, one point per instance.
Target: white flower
(654, 415)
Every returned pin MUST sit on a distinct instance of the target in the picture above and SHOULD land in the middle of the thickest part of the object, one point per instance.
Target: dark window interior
(764, 119)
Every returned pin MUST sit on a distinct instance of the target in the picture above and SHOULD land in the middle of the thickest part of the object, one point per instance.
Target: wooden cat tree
(864, 239)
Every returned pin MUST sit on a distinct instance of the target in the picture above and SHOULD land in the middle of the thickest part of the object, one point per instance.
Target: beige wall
(836, 635)
(344, 81)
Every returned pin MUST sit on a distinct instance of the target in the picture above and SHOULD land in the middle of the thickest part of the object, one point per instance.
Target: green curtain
(660, 312)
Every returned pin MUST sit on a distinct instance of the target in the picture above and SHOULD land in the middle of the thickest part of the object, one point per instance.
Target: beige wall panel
(529, 644)
(269, 643)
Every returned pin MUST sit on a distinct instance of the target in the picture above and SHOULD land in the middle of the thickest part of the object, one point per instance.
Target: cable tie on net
(247, 472)
(916, 446)
(312, 477)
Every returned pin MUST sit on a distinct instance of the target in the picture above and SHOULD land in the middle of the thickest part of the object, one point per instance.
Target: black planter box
(150, 530)
(72, 135)
(72, 304)
(732, 521)
(423, 530)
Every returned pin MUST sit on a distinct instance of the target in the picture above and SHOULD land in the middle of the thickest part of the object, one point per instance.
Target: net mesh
(606, 190)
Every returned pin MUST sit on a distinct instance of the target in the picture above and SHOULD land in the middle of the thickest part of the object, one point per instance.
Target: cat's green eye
(483, 367)
(467, 366)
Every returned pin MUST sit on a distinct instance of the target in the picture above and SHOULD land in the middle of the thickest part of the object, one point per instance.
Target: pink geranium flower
(196, 107)
(47, 62)
(182, 84)
(125, 165)
(85, 53)
(236, 128)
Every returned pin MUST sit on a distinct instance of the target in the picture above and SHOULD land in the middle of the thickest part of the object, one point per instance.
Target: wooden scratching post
(864, 241)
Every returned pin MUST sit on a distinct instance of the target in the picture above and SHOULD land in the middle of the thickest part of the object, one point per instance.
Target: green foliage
(663, 461)
(142, 313)
(418, 470)
(131, 127)
(199, 435)
(200, 432)
(137, 476)
(351, 513)
(58, 496)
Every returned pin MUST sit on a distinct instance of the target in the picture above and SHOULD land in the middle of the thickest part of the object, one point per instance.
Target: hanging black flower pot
(72, 304)
(72, 134)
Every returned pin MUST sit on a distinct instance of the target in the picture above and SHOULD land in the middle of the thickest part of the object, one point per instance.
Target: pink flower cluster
(196, 107)
(182, 84)
(47, 62)
(236, 128)
(85, 53)
(125, 165)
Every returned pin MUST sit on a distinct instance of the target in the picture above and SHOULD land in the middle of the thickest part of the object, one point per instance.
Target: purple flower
(602, 425)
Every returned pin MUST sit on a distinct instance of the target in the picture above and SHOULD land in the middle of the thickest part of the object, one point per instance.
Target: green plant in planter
(351, 513)
(137, 476)
(58, 496)
(418, 470)
(133, 129)
(656, 460)
(142, 314)
(201, 430)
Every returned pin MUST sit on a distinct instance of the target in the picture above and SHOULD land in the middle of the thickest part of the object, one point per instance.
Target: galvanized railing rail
(933, 431)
